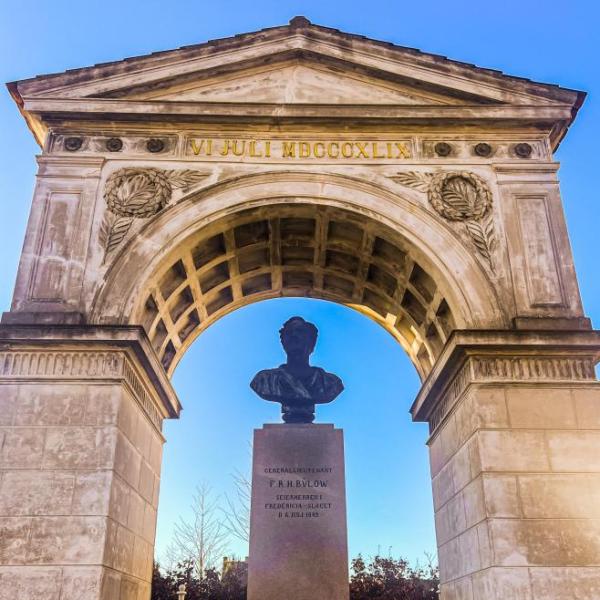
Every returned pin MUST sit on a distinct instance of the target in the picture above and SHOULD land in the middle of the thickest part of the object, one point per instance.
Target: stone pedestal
(298, 540)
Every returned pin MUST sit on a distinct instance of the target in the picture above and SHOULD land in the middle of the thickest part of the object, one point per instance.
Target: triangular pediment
(296, 82)
(281, 72)
(302, 60)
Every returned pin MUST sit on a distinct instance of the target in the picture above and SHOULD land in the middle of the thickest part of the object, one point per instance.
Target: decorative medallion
(72, 144)
(482, 149)
(114, 144)
(459, 196)
(155, 145)
(523, 150)
(443, 149)
(134, 193)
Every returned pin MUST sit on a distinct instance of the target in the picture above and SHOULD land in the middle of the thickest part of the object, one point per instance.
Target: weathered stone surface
(513, 450)
(501, 495)
(92, 492)
(565, 583)
(38, 405)
(541, 408)
(32, 583)
(66, 540)
(460, 589)
(503, 584)
(79, 447)
(22, 448)
(519, 478)
(298, 543)
(484, 409)
(474, 502)
(574, 451)
(36, 493)
(14, 535)
(548, 542)
(572, 495)
(587, 407)
(81, 583)
(62, 500)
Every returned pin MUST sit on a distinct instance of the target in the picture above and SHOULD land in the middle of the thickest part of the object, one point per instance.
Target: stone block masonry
(80, 458)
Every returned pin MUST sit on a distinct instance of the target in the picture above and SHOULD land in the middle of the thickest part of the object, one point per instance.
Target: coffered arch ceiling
(300, 250)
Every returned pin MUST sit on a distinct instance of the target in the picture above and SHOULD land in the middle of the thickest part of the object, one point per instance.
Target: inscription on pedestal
(289, 505)
(298, 517)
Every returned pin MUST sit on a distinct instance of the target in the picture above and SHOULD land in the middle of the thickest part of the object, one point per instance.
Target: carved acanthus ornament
(135, 193)
(459, 196)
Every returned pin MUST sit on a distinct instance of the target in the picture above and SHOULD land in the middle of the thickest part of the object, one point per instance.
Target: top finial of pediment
(299, 22)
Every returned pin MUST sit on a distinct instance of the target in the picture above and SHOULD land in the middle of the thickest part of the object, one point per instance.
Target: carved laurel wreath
(135, 193)
(459, 196)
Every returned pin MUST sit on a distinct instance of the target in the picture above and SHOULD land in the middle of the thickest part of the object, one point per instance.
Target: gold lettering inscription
(347, 150)
(225, 149)
(289, 150)
(376, 151)
(402, 150)
(238, 151)
(362, 150)
(304, 150)
(319, 150)
(253, 152)
(197, 148)
(300, 149)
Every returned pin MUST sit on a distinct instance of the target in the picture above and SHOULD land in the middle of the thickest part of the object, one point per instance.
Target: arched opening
(387, 473)
(260, 237)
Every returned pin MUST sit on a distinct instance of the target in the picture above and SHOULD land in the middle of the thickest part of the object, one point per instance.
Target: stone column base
(81, 410)
(514, 450)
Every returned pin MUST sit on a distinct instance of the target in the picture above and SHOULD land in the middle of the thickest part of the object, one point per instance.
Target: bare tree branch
(237, 512)
(204, 539)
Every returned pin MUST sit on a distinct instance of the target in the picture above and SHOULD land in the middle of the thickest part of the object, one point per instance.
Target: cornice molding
(98, 108)
(56, 366)
(476, 357)
(44, 353)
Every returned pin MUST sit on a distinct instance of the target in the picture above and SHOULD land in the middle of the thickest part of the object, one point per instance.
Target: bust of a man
(296, 384)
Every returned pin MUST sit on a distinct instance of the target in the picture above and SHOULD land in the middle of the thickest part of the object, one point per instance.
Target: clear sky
(389, 503)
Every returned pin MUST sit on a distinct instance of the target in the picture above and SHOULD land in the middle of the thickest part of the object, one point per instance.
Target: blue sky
(389, 500)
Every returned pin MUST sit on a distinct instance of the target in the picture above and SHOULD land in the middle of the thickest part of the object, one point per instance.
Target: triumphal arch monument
(298, 161)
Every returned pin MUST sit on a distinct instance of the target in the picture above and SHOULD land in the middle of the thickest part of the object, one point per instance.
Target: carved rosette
(139, 193)
(463, 197)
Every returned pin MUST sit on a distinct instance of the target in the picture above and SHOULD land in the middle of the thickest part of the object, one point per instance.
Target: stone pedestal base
(298, 541)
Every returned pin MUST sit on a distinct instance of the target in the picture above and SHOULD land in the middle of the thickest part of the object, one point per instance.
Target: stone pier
(81, 413)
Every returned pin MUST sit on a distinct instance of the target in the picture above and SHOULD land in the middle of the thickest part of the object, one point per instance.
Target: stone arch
(298, 234)
(509, 391)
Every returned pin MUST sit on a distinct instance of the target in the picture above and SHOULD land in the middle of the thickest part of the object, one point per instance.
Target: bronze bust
(296, 384)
